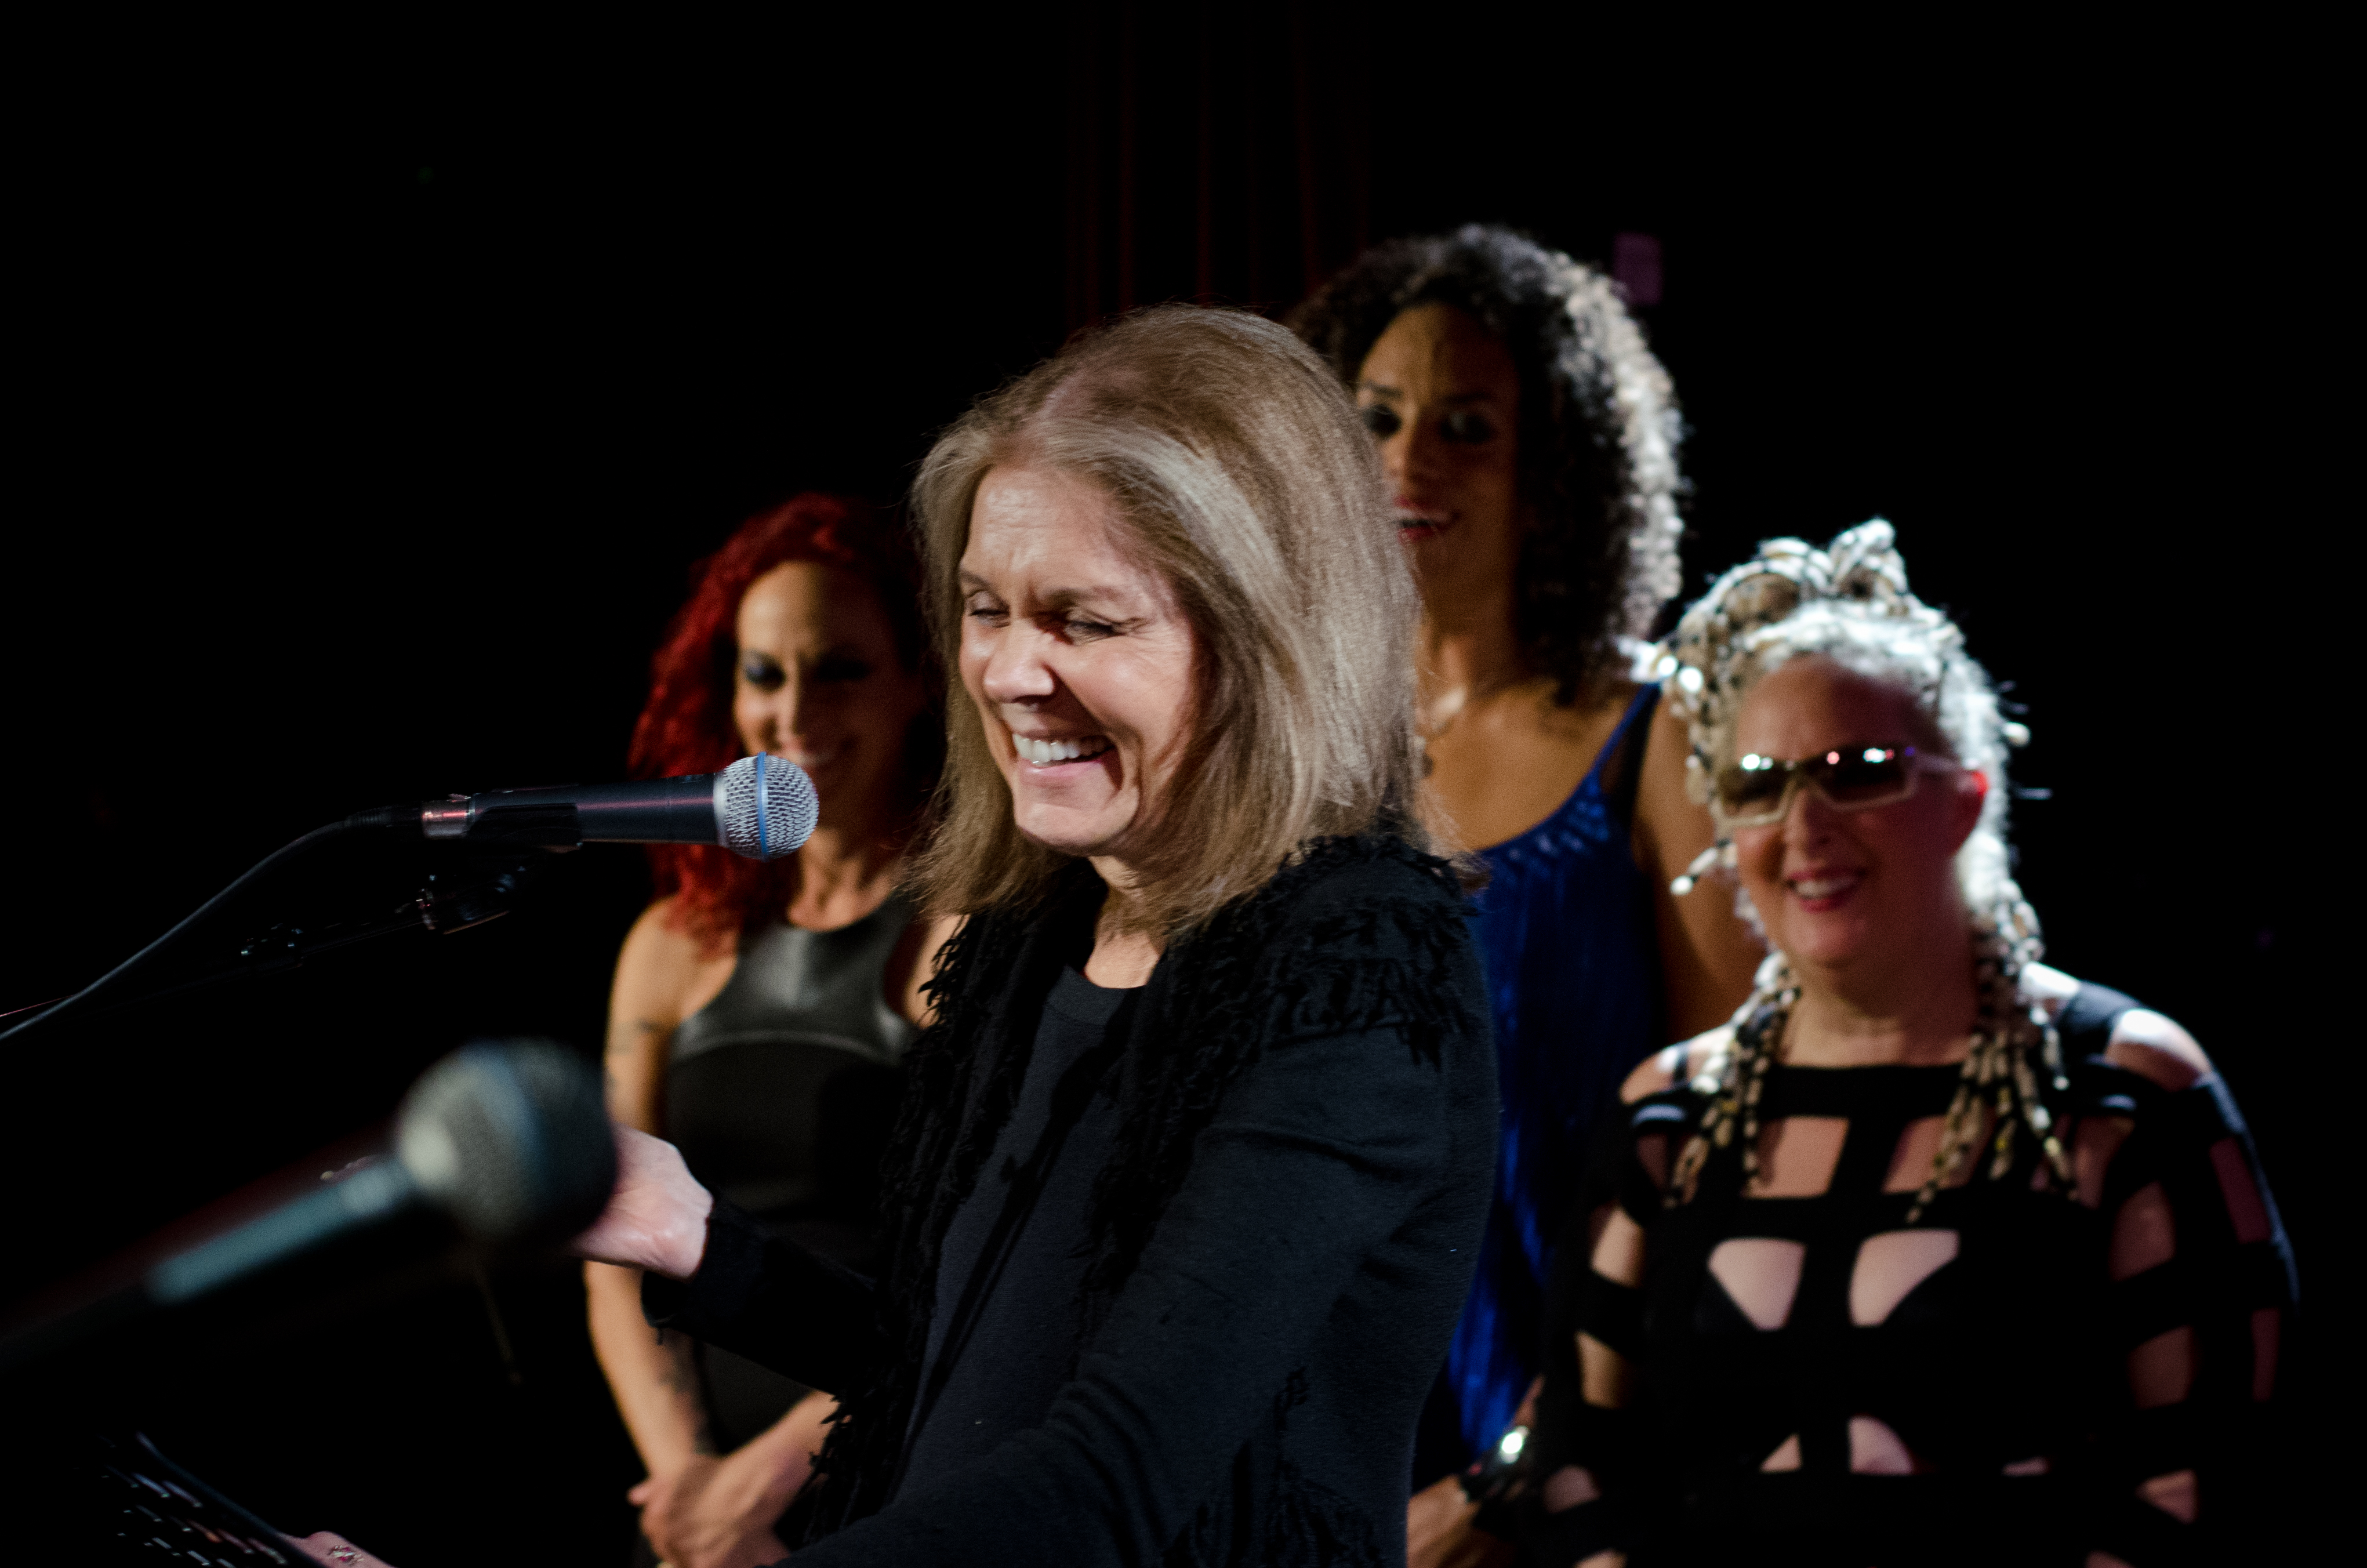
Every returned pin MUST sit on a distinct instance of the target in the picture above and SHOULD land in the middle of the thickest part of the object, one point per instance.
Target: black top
(1979, 1413)
(1246, 1391)
(781, 1091)
(1026, 1221)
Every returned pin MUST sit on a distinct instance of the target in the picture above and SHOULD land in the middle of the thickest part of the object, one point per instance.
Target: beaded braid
(1735, 1075)
(1849, 599)
(2013, 1042)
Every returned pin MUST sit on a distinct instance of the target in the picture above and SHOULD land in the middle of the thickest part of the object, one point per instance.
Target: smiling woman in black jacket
(1182, 1200)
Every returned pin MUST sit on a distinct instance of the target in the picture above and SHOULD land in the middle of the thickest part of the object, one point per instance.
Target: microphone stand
(483, 892)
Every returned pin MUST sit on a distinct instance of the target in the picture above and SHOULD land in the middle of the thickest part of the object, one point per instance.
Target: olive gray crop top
(780, 1093)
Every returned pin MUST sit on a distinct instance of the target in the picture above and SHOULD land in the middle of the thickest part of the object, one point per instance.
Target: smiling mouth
(1046, 754)
(811, 760)
(1832, 885)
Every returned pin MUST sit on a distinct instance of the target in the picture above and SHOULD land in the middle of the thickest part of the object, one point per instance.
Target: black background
(374, 392)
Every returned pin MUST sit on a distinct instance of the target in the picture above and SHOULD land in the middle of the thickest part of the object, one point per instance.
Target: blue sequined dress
(1565, 931)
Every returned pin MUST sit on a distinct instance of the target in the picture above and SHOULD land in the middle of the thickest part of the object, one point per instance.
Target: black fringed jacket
(1280, 1241)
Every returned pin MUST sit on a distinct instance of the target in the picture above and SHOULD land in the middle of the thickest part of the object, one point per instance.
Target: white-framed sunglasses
(1754, 790)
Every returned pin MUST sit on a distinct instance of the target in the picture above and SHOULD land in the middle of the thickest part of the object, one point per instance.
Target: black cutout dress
(2000, 1375)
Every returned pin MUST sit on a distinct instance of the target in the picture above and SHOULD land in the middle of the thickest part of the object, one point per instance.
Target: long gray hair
(1236, 471)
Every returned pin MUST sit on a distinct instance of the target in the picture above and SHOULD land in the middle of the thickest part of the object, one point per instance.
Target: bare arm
(1591, 1380)
(700, 1507)
(1708, 956)
(663, 976)
(2194, 1238)
(650, 1371)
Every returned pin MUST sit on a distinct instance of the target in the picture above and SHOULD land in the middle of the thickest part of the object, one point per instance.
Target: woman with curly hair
(760, 1009)
(1529, 441)
(1934, 1254)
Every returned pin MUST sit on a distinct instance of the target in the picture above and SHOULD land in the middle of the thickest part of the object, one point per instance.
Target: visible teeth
(1822, 887)
(1045, 752)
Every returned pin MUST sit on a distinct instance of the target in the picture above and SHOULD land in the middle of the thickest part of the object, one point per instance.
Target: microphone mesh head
(512, 1139)
(769, 808)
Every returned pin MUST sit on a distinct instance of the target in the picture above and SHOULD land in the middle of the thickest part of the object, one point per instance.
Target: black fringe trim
(1258, 972)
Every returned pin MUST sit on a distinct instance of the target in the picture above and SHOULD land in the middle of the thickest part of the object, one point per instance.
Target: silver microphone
(761, 806)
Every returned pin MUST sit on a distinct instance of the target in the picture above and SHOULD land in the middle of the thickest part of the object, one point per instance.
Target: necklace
(2012, 1036)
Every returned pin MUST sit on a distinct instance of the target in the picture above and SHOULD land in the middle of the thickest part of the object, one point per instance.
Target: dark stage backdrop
(371, 414)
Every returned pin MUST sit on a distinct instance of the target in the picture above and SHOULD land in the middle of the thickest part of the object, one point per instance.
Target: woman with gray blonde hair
(1934, 1254)
(1193, 1160)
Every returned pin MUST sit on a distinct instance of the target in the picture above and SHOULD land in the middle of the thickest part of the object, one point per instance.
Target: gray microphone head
(764, 807)
(510, 1139)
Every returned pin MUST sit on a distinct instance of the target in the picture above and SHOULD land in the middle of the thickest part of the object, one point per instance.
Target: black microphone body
(654, 811)
(507, 1145)
(762, 807)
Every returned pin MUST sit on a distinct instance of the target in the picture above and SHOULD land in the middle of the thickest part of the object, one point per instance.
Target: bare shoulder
(2049, 987)
(1667, 743)
(1664, 1070)
(2145, 1043)
(1665, 814)
(665, 972)
(659, 948)
(2158, 1048)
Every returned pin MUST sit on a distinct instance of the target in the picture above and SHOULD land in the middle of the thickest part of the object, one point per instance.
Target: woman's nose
(789, 704)
(1418, 445)
(1016, 671)
(1810, 815)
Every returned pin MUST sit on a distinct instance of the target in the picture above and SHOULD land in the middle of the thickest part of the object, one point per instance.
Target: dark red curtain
(1222, 154)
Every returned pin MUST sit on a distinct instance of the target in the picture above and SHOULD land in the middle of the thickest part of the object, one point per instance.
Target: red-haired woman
(759, 1010)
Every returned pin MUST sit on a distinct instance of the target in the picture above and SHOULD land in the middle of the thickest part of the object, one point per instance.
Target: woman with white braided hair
(1934, 1254)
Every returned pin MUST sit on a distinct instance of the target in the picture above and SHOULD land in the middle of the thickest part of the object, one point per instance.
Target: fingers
(1527, 1414)
(767, 1549)
(645, 1157)
(329, 1548)
(656, 1219)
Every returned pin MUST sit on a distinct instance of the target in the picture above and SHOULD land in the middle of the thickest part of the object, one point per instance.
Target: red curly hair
(686, 726)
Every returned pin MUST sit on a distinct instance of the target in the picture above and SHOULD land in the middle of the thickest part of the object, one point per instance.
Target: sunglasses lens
(1865, 779)
(1746, 792)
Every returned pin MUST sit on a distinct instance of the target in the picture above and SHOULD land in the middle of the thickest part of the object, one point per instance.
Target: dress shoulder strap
(2086, 1023)
(1622, 762)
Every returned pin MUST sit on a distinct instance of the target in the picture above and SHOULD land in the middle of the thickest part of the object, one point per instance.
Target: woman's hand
(1441, 1523)
(657, 1217)
(714, 1513)
(1440, 1532)
(329, 1547)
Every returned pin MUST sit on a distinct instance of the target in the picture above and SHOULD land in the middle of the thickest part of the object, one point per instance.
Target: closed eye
(1079, 630)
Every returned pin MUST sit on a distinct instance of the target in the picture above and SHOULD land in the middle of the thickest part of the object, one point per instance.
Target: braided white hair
(1849, 603)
